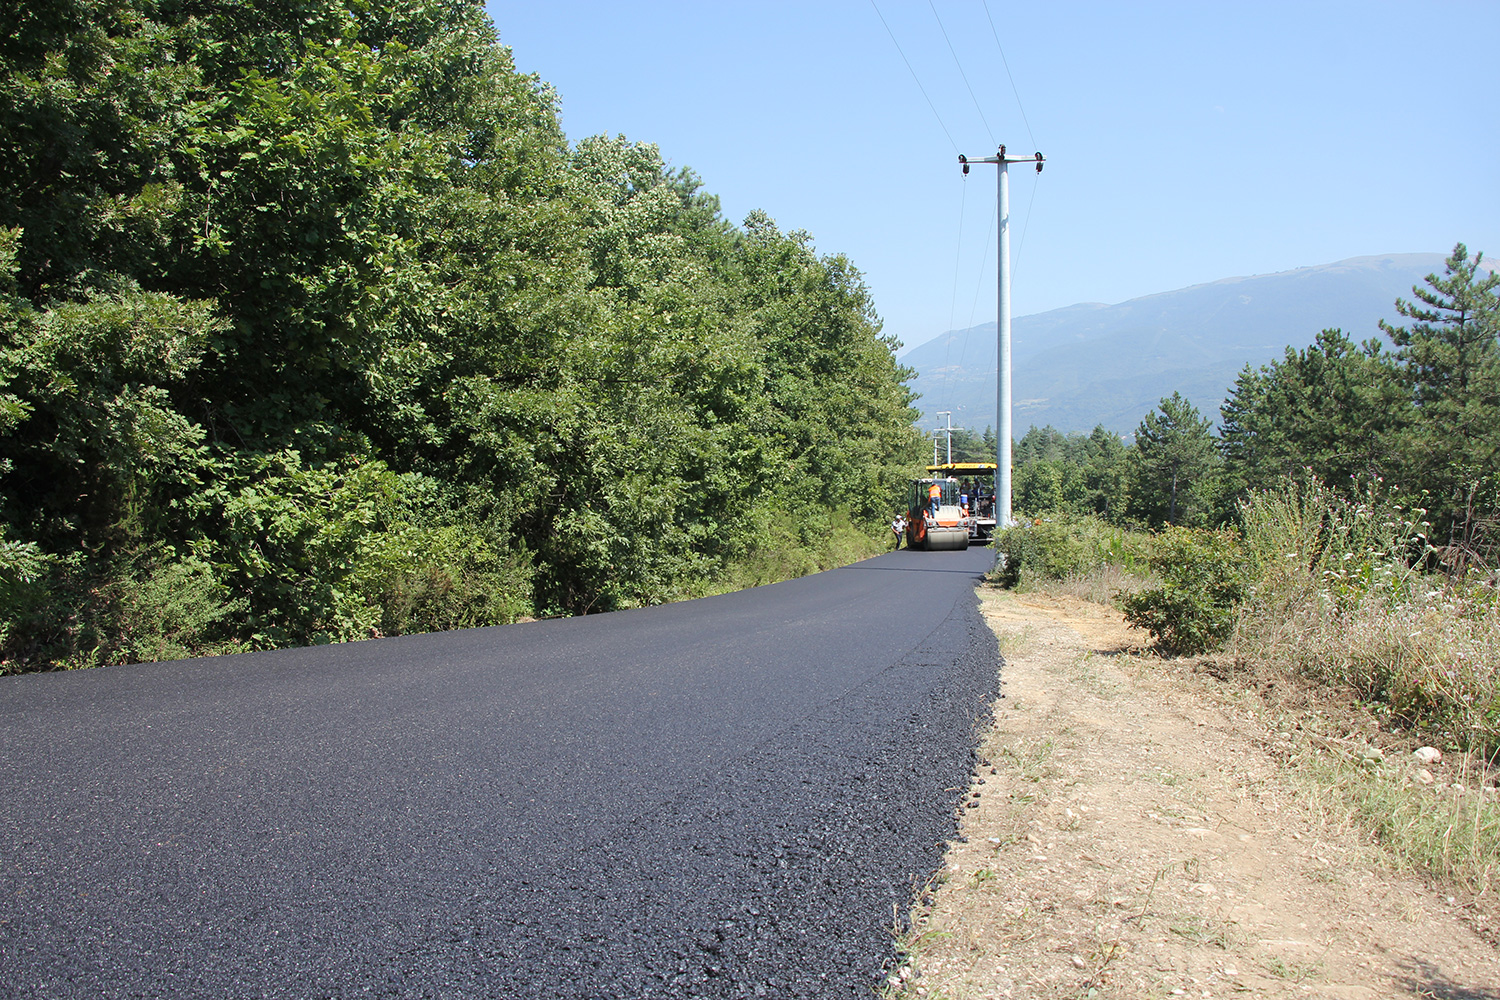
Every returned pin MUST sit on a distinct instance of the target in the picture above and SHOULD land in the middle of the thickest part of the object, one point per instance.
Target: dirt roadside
(1129, 835)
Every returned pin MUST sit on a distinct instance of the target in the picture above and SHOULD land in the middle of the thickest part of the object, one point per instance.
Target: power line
(1020, 250)
(914, 77)
(961, 72)
(953, 299)
(1012, 79)
(963, 354)
(984, 259)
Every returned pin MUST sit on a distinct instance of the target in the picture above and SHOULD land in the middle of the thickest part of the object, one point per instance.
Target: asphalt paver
(734, 796)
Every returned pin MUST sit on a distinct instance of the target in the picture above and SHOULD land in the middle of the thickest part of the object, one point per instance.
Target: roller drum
(947, 539)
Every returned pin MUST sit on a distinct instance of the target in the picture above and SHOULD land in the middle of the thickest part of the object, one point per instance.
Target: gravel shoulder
(1130, 833)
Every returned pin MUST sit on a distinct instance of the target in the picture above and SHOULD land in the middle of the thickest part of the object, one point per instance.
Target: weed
(1292, 970)
(1015, 642)
(1031, 759)
(1337, 597)
(1202, 930)
(1453, 834)
(1082, 551)
(1140, 918)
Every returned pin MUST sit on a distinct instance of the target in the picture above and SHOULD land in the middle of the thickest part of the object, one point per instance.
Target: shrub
(1339, 598)
(1203, 585)
(787, 547)
(1046, 550)
(174, 608)
(410, 579)
(330, 554)
(1064, 549)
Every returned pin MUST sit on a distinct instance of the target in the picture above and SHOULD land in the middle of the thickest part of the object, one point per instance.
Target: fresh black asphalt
(720, 798)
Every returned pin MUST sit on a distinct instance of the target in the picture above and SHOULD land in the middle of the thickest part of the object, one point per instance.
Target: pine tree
(1332, 407)
(1449, 358)
(1172, 466)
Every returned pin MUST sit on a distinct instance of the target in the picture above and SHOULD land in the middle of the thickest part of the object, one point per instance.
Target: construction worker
(898, 528)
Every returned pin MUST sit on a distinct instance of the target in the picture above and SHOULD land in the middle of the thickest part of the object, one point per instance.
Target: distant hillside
(1094, 364)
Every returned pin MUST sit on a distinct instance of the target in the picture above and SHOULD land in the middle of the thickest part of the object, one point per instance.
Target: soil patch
(1130, 833)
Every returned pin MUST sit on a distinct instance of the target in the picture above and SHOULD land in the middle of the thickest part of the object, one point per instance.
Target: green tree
(1449, 358)
(1049, 485)
(841, 412)
(312, 326)
(1040, 444)
(1172, 466)
(1078, 473)
(1104, 474)
(1333, 407)
(969, 447)
(657, 473)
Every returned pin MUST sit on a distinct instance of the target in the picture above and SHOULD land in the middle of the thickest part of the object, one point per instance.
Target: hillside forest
(314, 327)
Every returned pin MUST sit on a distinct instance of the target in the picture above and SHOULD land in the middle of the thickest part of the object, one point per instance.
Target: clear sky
(1185, 142)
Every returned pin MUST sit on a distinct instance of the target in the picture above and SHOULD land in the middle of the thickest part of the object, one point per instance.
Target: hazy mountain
(1094, 364)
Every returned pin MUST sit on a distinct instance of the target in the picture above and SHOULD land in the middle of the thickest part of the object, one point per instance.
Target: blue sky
(1185, 142)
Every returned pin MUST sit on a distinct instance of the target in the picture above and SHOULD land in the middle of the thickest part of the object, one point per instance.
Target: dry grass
(1354, 768)
(1448, 830)
(1128, 834)
(1335, 600)
(1428, 658)
(1104, 584)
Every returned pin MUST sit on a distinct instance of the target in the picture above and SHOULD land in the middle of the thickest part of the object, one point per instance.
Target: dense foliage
(314, 327)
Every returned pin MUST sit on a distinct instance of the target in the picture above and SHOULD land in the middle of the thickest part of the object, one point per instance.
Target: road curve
(720, 798)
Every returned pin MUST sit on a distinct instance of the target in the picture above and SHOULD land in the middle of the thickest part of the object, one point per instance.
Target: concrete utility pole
(1002, 345)
(949, 415)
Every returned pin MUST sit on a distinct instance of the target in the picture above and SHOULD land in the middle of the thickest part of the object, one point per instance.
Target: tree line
(1413, 415)
(313, 326)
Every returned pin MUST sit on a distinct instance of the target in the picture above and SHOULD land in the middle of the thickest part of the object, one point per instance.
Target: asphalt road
(721, 798)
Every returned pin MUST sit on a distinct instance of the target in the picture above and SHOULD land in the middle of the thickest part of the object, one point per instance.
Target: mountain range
(1090, 364)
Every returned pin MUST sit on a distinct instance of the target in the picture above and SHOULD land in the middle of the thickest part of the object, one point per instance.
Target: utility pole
(949, 415)
(1002, 345)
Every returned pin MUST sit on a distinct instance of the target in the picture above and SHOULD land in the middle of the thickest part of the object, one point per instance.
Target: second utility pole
(1002, 346)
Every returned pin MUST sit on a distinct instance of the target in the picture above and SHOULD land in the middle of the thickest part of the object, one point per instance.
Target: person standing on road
(898, 528)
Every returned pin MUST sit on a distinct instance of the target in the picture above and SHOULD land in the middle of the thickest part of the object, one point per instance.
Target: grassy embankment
(1313, 611)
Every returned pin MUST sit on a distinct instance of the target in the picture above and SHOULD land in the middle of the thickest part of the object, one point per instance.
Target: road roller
(976, 493)
(935, 518)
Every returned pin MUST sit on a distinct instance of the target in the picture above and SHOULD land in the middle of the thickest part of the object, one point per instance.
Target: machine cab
(935, 500)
